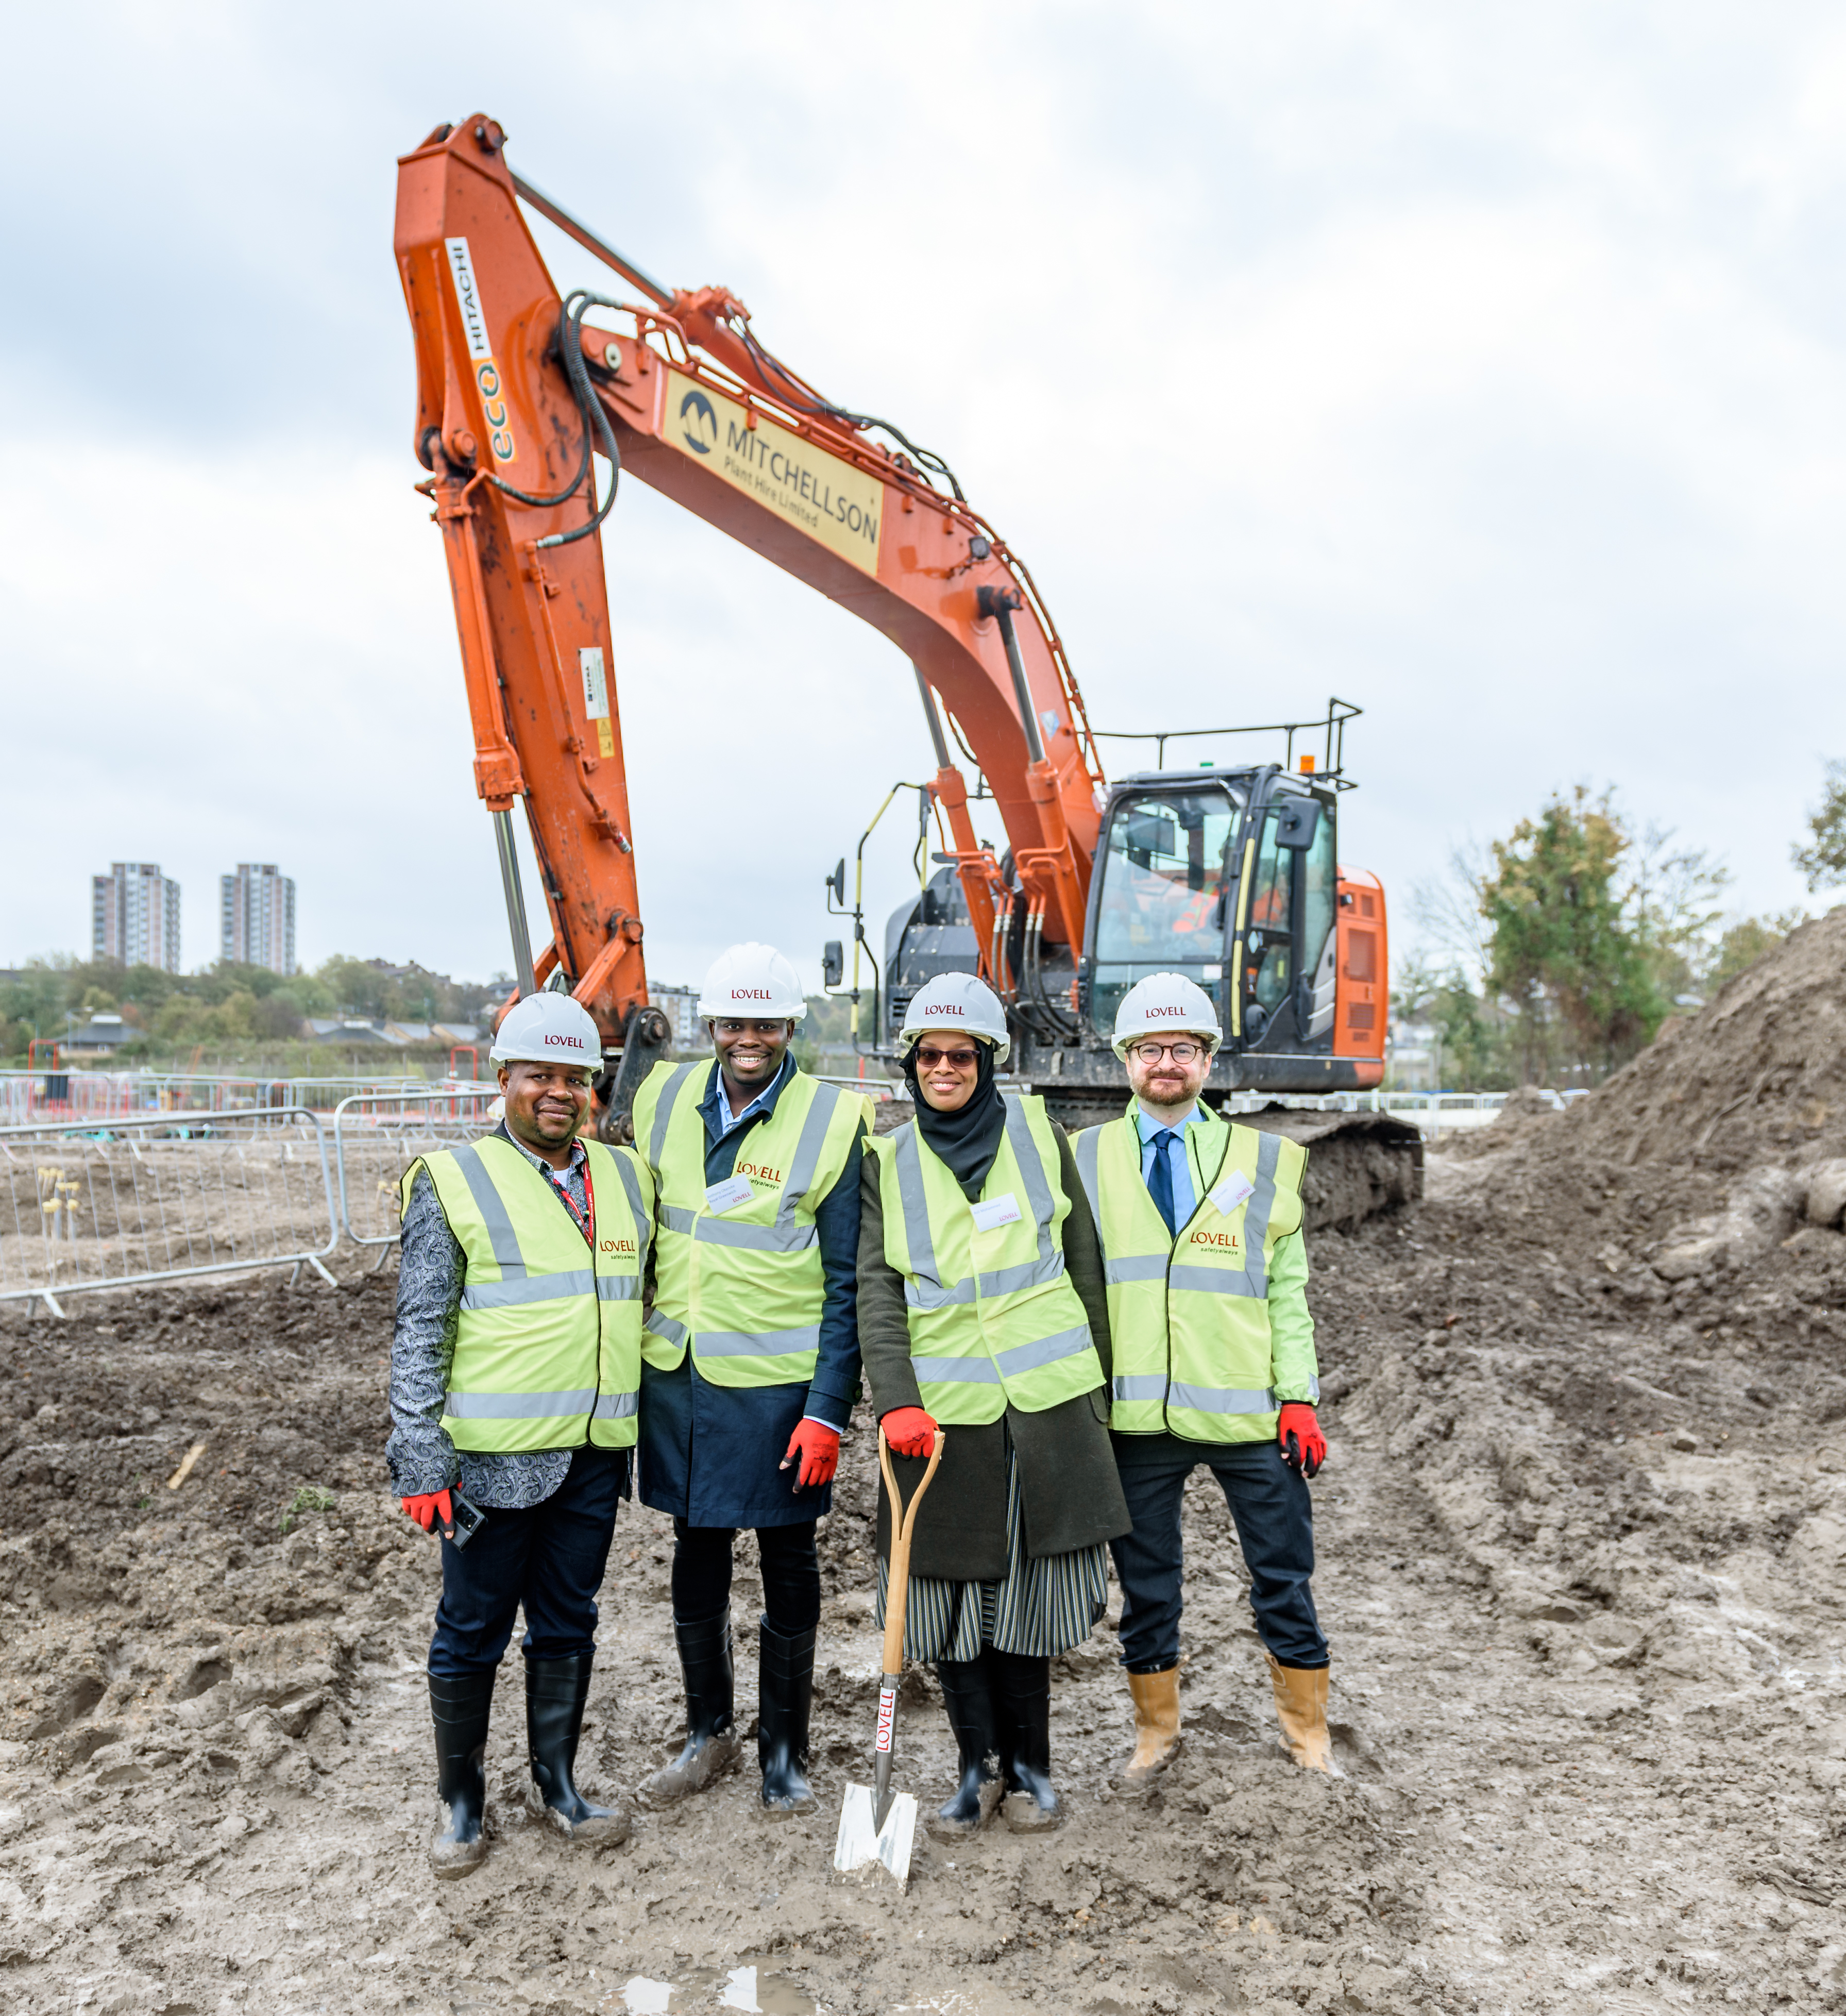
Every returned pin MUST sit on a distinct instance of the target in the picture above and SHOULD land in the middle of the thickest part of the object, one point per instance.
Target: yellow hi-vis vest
(743, 1284)
(548, 1342)
(994, 1319)
(1188, 1314)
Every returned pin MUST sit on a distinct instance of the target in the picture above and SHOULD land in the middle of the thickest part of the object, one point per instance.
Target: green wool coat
(1071, 1494)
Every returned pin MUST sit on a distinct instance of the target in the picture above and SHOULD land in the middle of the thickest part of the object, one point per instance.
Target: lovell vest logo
(1221, 1242)
(617, 1245)
(759, 1172)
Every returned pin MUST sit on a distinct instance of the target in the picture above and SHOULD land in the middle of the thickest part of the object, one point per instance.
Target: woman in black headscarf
(981, 1309)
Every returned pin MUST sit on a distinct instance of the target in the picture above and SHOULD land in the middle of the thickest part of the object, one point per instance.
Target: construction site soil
(1581, 1540)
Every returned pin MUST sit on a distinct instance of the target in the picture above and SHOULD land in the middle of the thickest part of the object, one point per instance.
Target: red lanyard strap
(586, 1224)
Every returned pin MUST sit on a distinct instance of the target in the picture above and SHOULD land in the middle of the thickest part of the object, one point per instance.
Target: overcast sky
(1485, 366)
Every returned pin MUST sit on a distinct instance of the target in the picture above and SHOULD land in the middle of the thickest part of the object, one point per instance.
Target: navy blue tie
(1160, 1179)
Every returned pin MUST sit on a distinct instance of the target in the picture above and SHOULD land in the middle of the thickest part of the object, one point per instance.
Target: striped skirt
(1039, 1609)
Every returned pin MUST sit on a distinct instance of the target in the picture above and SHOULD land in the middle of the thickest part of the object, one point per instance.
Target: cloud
(1481, 367)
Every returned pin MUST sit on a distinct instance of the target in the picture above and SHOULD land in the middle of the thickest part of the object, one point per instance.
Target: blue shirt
(1185, 1195)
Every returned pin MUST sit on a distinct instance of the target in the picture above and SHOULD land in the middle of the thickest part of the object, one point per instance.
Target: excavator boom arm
(693, 406)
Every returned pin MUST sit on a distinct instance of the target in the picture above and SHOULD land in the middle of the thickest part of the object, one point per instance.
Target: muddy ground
(1581, 1540)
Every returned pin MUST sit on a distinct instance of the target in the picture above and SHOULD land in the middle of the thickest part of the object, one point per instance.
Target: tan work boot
(1157, 1726)
(1301, 1709)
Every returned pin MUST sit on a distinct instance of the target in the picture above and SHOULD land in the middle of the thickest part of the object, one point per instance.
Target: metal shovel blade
(862, 1841)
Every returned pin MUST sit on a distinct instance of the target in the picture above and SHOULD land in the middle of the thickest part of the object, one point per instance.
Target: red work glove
(1303, 1447)
(910, 1430)
(819, 1447)
(430, 1509)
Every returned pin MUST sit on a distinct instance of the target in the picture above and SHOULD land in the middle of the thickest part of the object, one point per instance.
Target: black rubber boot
(784, 1698)
(1022, 1693)
(460, 1710)
(710, 1740)
(968, 1694)
(556, 1692)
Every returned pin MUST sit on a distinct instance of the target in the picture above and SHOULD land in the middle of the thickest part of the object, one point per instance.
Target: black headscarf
(967, 1139)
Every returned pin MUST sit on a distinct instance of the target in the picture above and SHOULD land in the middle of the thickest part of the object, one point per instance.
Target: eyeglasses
(1181, 1053)
(930, 1058)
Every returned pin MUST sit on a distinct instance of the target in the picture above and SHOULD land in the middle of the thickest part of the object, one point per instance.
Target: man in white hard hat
(515, 1366)
(1200, 1226)
(751, 1357)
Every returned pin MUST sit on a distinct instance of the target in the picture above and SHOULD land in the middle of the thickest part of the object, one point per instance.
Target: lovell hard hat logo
(565, 1043)
(750, 994)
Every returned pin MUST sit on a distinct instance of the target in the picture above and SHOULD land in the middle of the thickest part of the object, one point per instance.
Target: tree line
(1560, 949)
(227, 1004)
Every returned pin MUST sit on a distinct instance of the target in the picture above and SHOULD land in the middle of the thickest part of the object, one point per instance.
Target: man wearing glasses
(749, 1355)
(1200, 1227)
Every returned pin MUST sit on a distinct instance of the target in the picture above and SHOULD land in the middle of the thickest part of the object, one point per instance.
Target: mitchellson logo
(618, 1246)
(565, 1042)
(486, 372)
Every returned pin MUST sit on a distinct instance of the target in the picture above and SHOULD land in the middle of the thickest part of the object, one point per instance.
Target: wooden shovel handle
(897, 1589)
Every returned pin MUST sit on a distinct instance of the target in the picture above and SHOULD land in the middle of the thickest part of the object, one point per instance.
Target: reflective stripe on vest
(548, 1350)
(744, 1288)
(1191, 1334)
(993, 1318)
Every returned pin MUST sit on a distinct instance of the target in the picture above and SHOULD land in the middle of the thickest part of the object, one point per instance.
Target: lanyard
(585, 1224)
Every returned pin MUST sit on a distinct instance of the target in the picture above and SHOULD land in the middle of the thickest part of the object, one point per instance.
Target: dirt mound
(1526, 1111)
(1758, 1075)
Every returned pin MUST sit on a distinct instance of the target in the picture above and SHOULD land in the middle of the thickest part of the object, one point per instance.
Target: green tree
(1745, 942)
(1572, 966)
(1471, 1037)
(1823, 861)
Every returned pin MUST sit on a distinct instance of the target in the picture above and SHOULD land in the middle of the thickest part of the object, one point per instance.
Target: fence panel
(378, 1134)
(156, 1198)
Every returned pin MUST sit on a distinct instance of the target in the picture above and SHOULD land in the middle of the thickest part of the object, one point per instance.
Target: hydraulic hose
(596, 424)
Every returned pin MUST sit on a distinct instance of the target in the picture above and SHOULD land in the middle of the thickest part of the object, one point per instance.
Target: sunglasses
(929, 1057)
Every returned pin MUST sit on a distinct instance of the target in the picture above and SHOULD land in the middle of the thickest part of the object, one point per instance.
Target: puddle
(748, 1988)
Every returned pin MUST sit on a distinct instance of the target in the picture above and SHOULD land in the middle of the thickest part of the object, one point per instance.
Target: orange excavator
(528, 414)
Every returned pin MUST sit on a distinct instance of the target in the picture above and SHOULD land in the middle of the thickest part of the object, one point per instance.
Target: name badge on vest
(1231, 1193)
(991, 1213)
(728, 1195)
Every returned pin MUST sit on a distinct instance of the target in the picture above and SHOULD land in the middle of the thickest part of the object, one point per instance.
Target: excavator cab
(1230, 878)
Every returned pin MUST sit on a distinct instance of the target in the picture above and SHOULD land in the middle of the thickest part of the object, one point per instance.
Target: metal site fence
(153, 1198)
(376, 1137)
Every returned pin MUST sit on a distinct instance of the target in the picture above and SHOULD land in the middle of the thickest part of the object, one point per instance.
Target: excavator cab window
(1164, 865)
(1289, 923)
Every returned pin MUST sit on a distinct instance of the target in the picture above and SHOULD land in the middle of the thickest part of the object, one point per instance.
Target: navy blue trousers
(1273, 1512)
(549, 1557)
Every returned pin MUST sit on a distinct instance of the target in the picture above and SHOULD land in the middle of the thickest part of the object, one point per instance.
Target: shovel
(876, 1823)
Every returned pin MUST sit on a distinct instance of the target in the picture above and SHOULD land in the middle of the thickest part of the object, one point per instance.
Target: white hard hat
(956, 1001)
(548, 1029)
(755, 982)
(1166, 1003)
